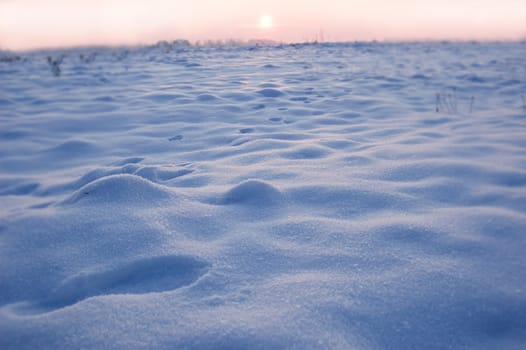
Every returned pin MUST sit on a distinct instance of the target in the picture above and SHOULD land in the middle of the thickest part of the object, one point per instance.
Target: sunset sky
(28, 24)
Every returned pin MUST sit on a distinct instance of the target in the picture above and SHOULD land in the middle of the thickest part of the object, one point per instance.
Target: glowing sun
(265, 22)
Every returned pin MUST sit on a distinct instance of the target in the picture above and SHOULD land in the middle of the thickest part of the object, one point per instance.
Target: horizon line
(257, 42)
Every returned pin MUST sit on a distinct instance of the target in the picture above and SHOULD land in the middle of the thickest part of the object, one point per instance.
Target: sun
(265, 21)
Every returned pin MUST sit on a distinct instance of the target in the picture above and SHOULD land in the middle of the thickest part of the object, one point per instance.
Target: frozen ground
(359, 196)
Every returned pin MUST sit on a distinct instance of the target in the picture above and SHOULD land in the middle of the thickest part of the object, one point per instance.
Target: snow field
(300, 196)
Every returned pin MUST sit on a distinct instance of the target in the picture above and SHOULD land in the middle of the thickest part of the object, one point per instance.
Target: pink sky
(28, 24)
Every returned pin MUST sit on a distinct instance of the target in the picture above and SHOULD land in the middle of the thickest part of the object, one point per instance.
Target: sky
(29, 24)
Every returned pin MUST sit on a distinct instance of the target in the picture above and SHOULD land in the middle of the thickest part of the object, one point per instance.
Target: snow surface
(343, 196)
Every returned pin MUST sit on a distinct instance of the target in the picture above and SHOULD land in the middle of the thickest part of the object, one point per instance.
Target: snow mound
(253, 193)
(113, 189)
(149, 275)
(271, 93)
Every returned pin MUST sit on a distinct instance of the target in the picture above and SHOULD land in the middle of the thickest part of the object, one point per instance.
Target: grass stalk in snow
(447, 101)
(54, 64)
